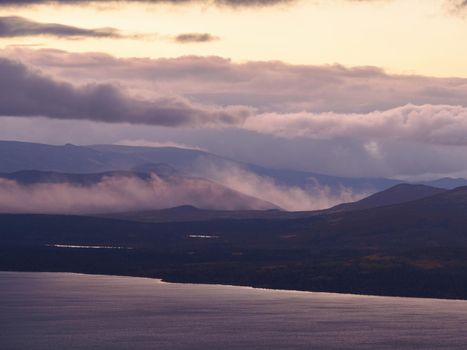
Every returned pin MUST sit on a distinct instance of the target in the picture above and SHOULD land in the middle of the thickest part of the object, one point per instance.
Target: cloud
(267, 86)
(357, 121)
(146, 143)
(458, 5)
(26, 92)
(254, 3)
(239, 189)
(229, 3)
(292, 198)
(14, 26)
(119, 193)
(454, 6)
(188, 38)
(440, 124)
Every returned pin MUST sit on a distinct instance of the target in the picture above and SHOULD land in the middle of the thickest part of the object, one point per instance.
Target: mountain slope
(51, 192)
(437, 221)
(17, 156)
(395, 195)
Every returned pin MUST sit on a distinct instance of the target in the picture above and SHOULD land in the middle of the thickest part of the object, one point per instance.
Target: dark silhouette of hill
(416, 248)
(188, 213)
(434, 221)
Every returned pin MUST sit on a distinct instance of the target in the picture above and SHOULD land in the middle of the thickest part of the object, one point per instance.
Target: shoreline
(250, 287)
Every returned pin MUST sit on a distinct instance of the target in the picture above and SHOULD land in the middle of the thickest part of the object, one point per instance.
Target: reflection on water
(73, 311)
(85, 246)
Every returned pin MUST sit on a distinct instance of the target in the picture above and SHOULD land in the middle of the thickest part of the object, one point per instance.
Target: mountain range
(17, 156)
(150, 212)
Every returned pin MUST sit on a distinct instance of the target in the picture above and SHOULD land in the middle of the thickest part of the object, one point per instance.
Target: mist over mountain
(36, 191)
(288, 189)
(70, 158)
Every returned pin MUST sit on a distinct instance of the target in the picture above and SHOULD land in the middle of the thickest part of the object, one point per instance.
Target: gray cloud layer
(332, 119)
(327, 98)
(24, 92)
(453, 5)
(14, 26)
(231, 3)
(267, 86)
(187, 38)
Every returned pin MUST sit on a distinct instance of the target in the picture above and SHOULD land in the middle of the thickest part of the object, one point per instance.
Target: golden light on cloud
(401, 36)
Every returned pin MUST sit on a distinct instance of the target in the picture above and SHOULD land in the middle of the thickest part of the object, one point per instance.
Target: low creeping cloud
(239, 189)
(313, 196)
(14, 26)
(119, 193)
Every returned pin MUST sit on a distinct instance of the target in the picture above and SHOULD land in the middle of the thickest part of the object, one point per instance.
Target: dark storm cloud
(188, 38)
(14, 26)
(24, 92)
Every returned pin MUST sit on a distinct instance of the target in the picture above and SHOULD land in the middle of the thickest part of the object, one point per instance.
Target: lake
(75, 311)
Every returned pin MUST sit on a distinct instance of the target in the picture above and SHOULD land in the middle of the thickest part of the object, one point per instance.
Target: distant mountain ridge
(17, 156)
(29, 177)
(395, 195)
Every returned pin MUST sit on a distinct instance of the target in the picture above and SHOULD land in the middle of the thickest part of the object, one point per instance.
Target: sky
(344, 87)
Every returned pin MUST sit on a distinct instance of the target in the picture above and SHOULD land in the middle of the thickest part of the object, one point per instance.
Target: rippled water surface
(73, 311)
